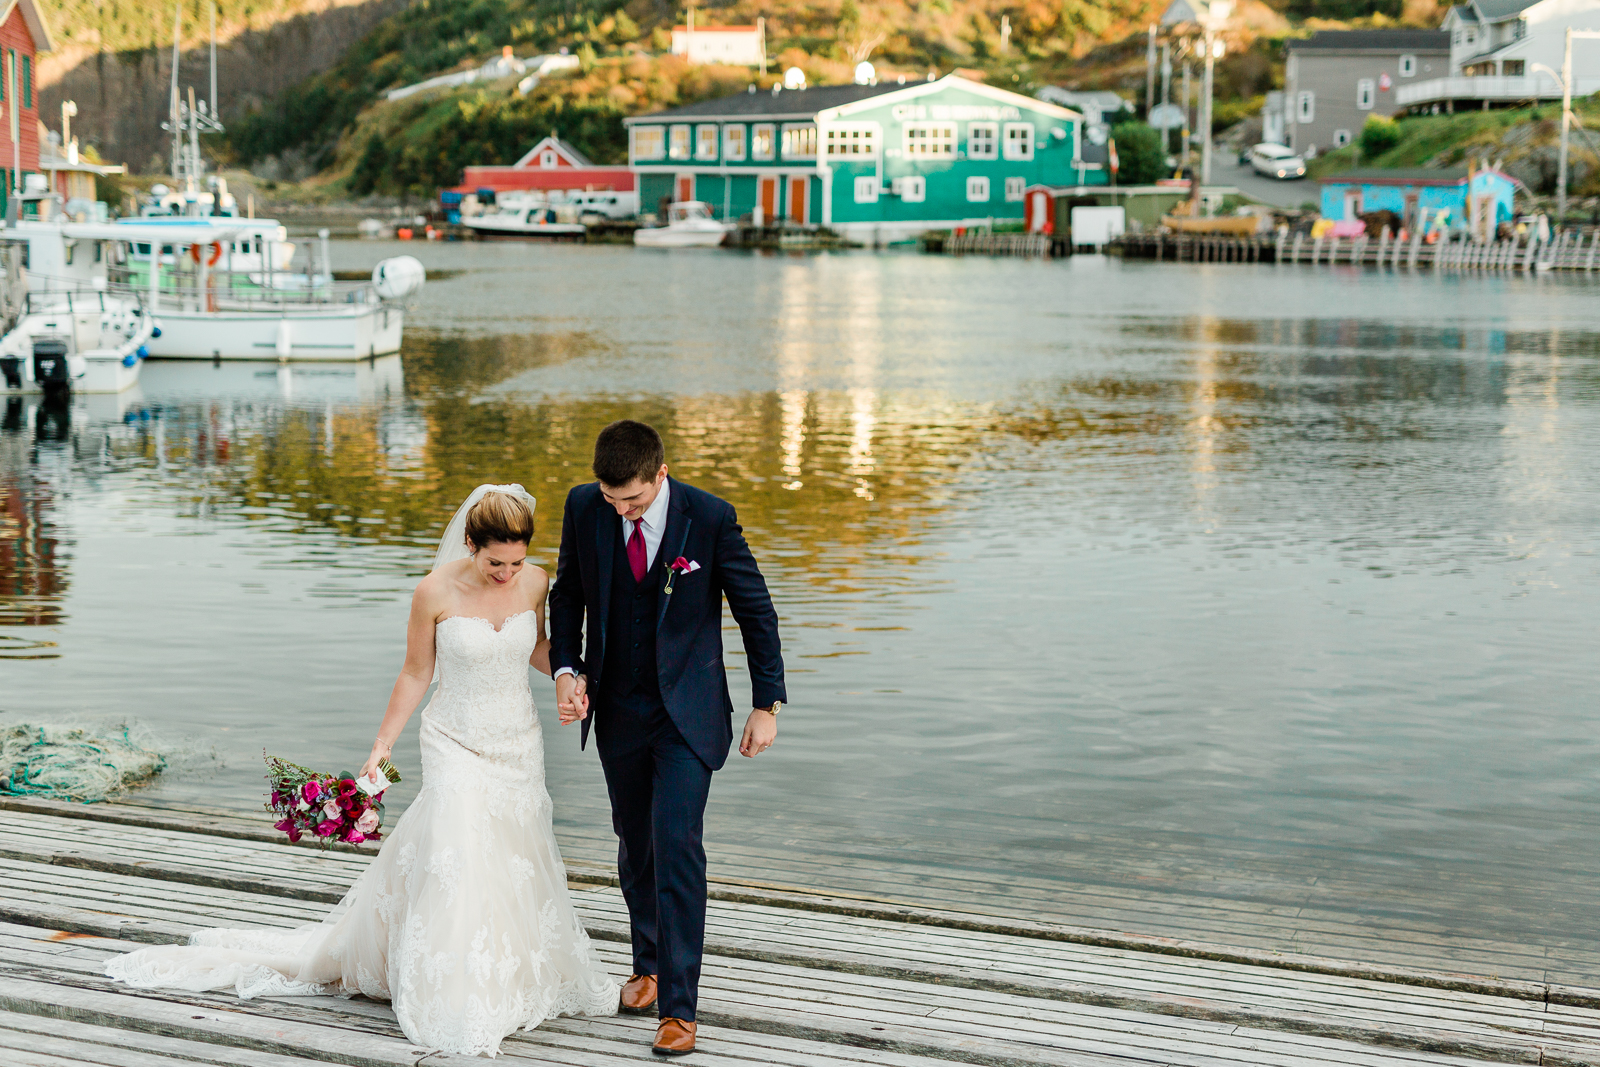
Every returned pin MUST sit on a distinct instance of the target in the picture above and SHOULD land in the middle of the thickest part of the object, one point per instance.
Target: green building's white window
(933, 139)
(761, 141)
(1015, 187)
(800, 142)
(977, 190)
(648, 142)
(1019, 140)
(867, 190)
(983, 140)
(913, 190)
(678, 142)
(705, 142)
(733, 143)
(852, 142)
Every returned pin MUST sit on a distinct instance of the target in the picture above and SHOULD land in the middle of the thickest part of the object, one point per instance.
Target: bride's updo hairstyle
(499, 518)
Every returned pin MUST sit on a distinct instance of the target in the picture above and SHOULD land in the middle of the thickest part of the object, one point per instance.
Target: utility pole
(1150, 72)
(1566, 117)
(1216, 14)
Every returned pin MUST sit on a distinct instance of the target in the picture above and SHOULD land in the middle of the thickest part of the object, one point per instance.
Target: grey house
(1334, 79)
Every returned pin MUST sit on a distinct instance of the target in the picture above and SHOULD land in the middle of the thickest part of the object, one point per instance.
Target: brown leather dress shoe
(674, 1037)
(639, 995)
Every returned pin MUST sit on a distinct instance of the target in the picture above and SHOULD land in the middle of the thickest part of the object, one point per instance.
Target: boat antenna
(213, 59)
(177, 128)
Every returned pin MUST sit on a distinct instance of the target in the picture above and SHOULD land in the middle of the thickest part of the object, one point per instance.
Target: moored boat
(526, 217)
(689, 225)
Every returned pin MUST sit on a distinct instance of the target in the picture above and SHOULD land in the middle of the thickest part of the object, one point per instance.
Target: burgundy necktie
(637, 558)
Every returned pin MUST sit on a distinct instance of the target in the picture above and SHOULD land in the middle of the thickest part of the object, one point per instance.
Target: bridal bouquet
(333, 807)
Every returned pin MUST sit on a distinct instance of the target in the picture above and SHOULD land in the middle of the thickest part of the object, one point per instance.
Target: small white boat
(689, 225)
(525, 217)
(75, 340)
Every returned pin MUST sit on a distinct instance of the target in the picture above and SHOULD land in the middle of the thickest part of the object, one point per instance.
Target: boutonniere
(677, 567)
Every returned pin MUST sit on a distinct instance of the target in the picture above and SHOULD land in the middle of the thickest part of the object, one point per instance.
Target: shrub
(1139, 153)
(1378, 136)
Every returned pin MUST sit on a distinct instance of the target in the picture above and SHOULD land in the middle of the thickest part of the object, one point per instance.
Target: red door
(767, 197)
(1037, 213)
(797, 200)
(685, 187)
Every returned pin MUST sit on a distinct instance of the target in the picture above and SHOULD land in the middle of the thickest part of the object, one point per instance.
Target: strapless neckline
(479, 618)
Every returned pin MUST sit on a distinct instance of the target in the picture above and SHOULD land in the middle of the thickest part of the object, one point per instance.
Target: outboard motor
(11, 369)
(50, 365)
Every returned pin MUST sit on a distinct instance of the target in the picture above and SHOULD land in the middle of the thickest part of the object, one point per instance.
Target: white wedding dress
(463, 920)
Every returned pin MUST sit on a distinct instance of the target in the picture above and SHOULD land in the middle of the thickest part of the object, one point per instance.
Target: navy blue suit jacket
(694, 686)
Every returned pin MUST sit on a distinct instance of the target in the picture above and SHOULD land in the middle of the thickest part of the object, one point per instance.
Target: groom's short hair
(628, 450)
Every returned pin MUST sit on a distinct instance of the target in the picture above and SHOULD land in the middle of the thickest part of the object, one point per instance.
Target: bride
(463, 920)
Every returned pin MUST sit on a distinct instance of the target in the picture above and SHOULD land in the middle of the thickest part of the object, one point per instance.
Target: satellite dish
(794, 78)
(1166, 117)
(865, 73)
(1098, 134)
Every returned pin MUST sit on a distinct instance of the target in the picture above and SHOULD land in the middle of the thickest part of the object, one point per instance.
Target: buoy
(284, 345)
(143, 352)
(398, 278)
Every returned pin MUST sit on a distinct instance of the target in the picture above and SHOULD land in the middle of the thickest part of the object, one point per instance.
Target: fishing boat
(526, 217)
(689, 225)
(73, 339)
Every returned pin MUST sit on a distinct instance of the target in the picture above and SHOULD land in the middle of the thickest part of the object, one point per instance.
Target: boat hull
(669, 237)
(551, 231)
(339, 334)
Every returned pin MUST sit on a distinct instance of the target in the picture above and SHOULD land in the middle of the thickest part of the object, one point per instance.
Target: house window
(983, 140)
(1408, 66)
(27, 80)
(912, 190)
(852, 142)
(733, 143)
(933, 139)
(547, 160)
(648, 142)
(1364, 92)
(1341, 138)
(705, 142)
(1514, 68)
(977, 190)
(1015, 187)
(678, 142)
(867, 190)
(1019, 140)
(761, 142)
(799, 142)
(1306, 107)
(1472, 35)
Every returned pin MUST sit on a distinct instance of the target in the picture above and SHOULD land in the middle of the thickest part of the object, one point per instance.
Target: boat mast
(176, 127)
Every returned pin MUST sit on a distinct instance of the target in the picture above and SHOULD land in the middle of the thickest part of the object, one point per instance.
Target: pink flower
(330, 809)
(328, 828)
(311, 791)
(355, 837)
(368, 821)
(684, 566)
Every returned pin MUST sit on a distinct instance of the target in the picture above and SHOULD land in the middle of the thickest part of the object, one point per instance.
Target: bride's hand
(572, 698)
(369, 769)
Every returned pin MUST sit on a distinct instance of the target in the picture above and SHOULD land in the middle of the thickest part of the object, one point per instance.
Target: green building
(876, 163)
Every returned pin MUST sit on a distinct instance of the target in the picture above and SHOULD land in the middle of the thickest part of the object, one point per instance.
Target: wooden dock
(790, 979)
(1568, 252)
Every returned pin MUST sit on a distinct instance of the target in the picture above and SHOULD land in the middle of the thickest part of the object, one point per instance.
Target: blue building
(1408, 193)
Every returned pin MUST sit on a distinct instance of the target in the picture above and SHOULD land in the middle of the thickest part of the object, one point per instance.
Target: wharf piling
(1566, 252)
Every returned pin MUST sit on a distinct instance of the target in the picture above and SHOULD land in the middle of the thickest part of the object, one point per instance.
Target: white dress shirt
(654, 521)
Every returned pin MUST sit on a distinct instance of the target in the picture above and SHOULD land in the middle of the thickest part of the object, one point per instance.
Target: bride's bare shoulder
(537, 583)
(436, 588)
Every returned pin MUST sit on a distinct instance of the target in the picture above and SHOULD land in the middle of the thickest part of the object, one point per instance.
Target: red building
(549, 165)
(23, 36)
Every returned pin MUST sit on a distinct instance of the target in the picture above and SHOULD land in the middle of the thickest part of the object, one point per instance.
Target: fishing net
(86, 763)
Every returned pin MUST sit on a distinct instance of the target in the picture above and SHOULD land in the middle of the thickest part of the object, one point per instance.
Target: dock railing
(1567, 251)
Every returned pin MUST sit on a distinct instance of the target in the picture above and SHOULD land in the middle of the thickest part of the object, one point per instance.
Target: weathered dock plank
(826, 978)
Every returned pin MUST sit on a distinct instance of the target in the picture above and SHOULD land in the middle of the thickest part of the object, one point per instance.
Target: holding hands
(572, 698)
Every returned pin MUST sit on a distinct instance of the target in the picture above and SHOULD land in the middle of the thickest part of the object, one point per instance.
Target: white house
(1496, 47)
(740, 46)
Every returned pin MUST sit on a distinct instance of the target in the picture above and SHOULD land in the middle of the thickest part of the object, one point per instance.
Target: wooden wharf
(790, 979)
(1567, 252)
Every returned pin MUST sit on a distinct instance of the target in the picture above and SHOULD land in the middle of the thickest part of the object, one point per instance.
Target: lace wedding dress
(463, 920)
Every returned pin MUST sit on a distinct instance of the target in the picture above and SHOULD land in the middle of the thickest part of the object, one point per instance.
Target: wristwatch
(777, 706)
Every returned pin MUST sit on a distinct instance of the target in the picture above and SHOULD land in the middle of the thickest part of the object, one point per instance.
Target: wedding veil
(453, 545)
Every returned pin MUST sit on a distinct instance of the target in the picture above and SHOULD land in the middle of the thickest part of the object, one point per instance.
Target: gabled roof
(955, 81)
(1495, 10)
(1373, 41)
(572, 156)
(784, 104)
(34, 20)
(1463, 13)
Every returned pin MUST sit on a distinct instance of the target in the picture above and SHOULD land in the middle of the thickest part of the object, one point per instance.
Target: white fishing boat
(526, 217)
(689, 225)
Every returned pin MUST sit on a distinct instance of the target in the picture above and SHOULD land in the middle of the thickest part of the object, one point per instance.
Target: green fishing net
(75, 762)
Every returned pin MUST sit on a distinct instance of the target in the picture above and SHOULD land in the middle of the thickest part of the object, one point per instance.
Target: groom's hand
(572, 698)
(760, 730)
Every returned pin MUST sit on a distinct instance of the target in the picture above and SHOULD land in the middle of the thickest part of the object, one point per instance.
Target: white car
(1277, 161)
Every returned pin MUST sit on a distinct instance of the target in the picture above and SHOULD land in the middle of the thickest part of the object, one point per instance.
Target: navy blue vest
(630, 662)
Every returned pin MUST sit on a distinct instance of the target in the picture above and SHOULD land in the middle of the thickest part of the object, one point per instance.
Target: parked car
(1277, 161)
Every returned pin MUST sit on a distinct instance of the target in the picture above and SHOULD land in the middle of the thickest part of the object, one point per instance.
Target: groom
(648, 560)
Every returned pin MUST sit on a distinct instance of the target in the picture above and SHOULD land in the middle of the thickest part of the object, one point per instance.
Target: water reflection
(1084, 581)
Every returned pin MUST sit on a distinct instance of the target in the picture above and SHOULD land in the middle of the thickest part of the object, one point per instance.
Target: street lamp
(1564, 79)
(1211, 16)
(69, 108)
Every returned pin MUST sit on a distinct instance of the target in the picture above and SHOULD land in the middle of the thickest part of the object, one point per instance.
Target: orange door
(797, 200)
(685, 187)
(767, 197)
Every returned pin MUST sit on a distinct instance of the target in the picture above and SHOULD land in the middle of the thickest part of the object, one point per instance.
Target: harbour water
(1112, 594)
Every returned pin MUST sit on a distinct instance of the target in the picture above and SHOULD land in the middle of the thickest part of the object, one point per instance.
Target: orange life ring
(216, 253)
